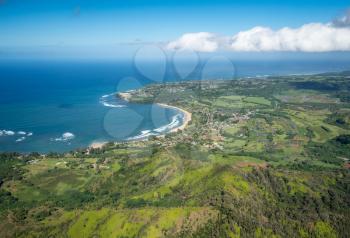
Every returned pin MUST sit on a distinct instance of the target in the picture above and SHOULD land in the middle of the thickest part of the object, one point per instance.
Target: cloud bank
(201, 41)
(313, 37)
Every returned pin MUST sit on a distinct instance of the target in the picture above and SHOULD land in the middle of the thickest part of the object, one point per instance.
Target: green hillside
(260, 158)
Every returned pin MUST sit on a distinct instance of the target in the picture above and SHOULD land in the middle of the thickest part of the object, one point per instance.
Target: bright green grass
(305, 96)
(257, 100)
(254, 146)
(42, 165)
(233, 159)
(124, 223)
(137, 222)
(234, 144)
(193, 178)
(235, 184)
(116, 167)
(232, 98)
(231, 131)
(60, 180)
(297, 187)
(62, 217)
(87, 223)
(27, 193)
(58, 224)
(315, 121)
(166, 220)
(162, 190)
(324, 230)
(318, 163)
(234, 102)
(241, 102)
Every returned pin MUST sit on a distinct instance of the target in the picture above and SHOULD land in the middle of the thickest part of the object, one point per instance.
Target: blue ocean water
(63, 105)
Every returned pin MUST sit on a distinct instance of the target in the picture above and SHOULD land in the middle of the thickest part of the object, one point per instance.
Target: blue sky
(63, 26)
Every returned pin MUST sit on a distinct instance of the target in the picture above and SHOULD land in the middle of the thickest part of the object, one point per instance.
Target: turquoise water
(60, 107)
(63, 105)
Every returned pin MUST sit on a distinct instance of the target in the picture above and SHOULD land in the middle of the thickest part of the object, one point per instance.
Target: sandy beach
(97, 145)
(187, 118)
(125, 96)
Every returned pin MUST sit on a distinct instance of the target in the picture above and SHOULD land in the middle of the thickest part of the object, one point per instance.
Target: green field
(260, 159)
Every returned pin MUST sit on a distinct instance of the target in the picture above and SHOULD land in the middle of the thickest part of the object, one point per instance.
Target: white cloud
(201, 41)
(313, 37)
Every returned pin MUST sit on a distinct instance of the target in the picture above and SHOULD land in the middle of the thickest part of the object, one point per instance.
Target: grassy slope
(246, 167)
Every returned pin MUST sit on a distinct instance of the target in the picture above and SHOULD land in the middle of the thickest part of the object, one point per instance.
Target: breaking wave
(176, 121)
(67, 136)
(110, 100)
(23, 135)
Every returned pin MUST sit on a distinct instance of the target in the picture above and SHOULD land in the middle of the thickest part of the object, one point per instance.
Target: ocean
(61, 105)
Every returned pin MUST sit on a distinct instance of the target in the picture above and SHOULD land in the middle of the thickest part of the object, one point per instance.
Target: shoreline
(97, 145)
(187, 115)
(186, 120)
(126, 96)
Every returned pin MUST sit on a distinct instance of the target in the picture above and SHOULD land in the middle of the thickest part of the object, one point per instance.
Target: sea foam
(7, 133)
(106, 104)
(110, 100)
(20, 139)
(175, 122)
(67, 136)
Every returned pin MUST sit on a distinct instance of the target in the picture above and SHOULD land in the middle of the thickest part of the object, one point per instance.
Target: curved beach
(126, 97)
(186, 120)
(187, 115)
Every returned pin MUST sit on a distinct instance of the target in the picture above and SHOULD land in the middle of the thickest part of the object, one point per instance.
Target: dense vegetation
(261, 158)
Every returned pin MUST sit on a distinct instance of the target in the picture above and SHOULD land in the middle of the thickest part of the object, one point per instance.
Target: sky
(98, 28)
